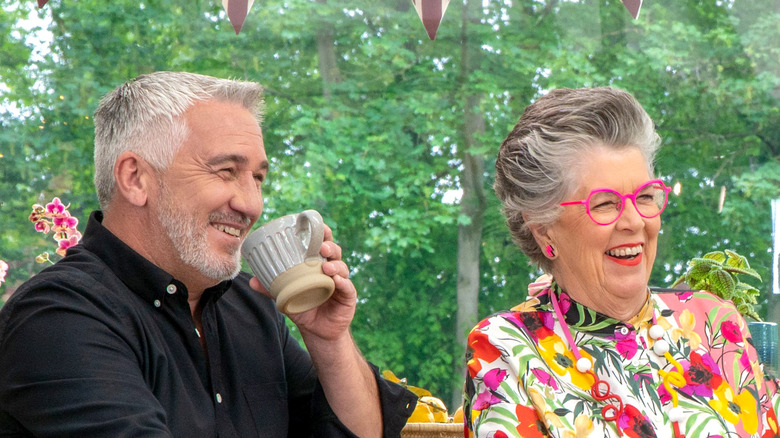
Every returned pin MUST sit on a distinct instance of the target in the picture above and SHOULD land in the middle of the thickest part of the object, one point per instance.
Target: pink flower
(702, 376)
(730, 331)
(684, 296)
(42, 226)
(626, 344)
(56, 206)
(545, 377)
(484, 400)
(65, 220)
(565, 302)
(3, 270)
(64, 244)
(494, 377)
(663, 394)
(55, 217)
(744, 360)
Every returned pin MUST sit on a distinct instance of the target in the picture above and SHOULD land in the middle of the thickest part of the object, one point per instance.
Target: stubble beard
(190, 239)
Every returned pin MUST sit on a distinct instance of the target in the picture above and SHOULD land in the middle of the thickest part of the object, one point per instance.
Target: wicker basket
(432, 430)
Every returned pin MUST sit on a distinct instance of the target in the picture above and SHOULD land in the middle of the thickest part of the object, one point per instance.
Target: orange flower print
(635, 424)
(528, 423)
(702, 376)
(481, 350)
(771, 420)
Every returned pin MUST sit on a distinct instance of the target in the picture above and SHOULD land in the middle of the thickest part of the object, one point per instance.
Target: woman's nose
(630, 217)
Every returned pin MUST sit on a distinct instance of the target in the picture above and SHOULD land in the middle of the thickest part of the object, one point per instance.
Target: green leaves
(718, 272)
(379, 155)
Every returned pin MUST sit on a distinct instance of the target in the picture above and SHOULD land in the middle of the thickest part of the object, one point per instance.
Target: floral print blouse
(523, 381)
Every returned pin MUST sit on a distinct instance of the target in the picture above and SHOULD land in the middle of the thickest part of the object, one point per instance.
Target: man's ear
(134, 178)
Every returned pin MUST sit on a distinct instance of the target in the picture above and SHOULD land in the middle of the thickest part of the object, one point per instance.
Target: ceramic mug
(284, 255)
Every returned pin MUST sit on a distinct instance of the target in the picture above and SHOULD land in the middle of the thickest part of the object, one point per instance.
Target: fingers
(345, 290)
(335, 267)
(331, 251)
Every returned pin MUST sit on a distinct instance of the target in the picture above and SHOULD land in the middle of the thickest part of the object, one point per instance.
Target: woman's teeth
(625, 252)
(235, 232)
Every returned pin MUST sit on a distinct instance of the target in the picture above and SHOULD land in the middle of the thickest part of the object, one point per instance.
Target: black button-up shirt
(103, 344)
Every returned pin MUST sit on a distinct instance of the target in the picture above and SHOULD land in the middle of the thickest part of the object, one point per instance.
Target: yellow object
(437, 407)
(458, 416)
(422, 414)
(432, 430)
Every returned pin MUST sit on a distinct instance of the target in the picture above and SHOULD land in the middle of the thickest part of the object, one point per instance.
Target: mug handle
(312, 220)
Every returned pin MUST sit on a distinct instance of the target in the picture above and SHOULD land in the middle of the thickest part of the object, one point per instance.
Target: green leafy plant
(718, 272)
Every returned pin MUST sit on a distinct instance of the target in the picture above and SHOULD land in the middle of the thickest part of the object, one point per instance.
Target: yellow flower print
(562, 361)
(583, 427)
(733, 409)
(687, 323)
(527, 305)
(541, 406)
(664, 323)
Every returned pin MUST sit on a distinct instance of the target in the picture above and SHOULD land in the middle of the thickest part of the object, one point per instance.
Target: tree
(377, 127)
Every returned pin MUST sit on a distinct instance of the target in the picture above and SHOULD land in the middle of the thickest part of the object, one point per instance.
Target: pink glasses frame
(631, 196)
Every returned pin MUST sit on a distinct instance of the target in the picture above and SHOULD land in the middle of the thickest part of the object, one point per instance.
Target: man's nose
(249, 197)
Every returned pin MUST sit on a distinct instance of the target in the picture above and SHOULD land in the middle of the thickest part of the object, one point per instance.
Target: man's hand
(330, 320)
(346, 378)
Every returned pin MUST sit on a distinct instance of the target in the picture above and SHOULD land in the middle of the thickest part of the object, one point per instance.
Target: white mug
(284, 255)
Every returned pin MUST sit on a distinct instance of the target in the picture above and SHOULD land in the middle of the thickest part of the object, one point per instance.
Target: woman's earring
(550, 251)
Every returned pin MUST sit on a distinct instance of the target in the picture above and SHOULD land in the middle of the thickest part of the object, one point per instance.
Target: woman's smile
(606, 267)
(627, 255)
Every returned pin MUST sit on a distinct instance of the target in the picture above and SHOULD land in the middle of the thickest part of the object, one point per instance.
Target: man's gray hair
(537, 163)
(144, 116)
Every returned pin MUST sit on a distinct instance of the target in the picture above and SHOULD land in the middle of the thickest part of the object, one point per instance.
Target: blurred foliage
(377, 147)
(719, 272)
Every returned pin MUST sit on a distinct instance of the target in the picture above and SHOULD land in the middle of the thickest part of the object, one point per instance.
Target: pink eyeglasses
(604, 206)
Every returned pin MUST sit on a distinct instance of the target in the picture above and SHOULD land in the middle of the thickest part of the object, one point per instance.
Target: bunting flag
(633, 7)
(42, 3)
(431, 12)
(237, 10)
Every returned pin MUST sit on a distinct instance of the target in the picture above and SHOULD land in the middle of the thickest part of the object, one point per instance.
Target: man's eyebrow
(225, 158)
(234, 158)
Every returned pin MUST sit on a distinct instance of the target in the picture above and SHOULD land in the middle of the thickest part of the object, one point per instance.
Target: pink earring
(550, 251)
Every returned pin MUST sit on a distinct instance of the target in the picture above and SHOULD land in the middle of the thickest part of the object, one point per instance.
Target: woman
(592, 352)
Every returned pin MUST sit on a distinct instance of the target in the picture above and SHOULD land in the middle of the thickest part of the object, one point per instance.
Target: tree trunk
(329, 69)
(473, 203)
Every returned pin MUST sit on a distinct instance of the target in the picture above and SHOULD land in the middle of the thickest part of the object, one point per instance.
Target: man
(147, 328)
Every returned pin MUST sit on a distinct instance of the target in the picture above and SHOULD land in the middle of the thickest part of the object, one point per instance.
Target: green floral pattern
(523, 381)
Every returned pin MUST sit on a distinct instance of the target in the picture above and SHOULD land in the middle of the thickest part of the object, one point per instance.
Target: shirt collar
(583, 318)
(143, 277)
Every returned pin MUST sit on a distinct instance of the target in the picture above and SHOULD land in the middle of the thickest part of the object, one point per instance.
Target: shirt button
(157, 303)
(623, 331)
(171, 289)
(219, 398)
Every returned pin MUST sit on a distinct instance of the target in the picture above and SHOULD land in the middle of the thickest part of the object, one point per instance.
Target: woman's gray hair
(144, 116)
(537, 163)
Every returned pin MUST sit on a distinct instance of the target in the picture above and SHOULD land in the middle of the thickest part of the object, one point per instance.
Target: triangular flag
(431, 13)
(633, 7)
(42, 3)
(237, 10)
